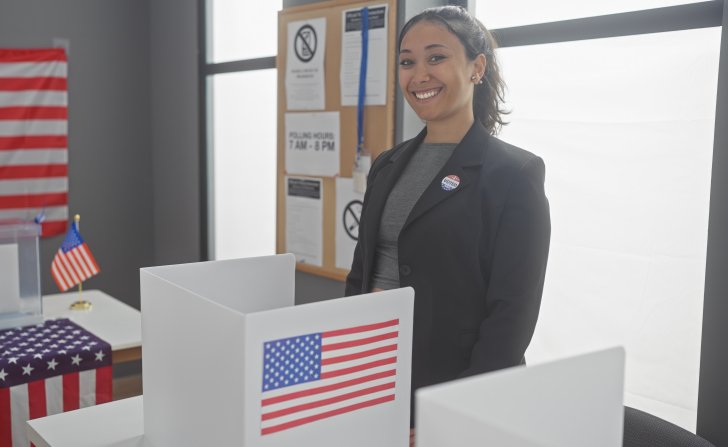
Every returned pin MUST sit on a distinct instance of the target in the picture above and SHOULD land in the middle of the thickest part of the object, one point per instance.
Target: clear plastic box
(21, 303)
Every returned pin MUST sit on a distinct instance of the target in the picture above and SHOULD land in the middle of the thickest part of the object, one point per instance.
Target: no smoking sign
(305, 43)
(352, 214)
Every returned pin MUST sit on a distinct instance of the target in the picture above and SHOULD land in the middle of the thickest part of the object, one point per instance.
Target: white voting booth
(574, 402)
(229, 360)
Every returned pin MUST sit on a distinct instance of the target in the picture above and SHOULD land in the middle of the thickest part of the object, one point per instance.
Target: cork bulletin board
(378, 119)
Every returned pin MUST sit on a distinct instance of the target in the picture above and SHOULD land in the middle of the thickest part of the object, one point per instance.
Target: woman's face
(435, 74)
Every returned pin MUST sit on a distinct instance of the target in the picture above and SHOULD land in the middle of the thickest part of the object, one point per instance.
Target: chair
(645, 430)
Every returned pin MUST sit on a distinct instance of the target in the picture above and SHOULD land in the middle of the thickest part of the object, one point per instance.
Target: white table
(111, 320)
(115, 424)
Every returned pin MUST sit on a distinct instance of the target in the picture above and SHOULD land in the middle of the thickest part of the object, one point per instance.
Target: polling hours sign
(312, 143)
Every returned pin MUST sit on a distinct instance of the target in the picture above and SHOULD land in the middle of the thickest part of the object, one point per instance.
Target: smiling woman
(437, 79)
(454, 44)
(455, 213)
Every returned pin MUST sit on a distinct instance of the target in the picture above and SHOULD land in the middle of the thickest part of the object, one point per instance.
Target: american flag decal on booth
(34, 137)
(321, 375)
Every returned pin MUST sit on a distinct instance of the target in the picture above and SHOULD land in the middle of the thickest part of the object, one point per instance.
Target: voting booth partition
(229, 360)
(573, 402)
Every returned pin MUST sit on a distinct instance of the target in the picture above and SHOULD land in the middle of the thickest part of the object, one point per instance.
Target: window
(243, 30)
(244, 105)
(626, 131)
(241, 127)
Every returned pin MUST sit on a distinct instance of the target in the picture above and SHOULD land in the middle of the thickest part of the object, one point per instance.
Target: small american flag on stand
(73, 262)
(47, 369)
(317, 376)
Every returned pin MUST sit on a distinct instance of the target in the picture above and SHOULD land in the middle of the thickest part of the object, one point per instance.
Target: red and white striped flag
(33, 137)
(47, 369)
(322, 375)
(73, 262)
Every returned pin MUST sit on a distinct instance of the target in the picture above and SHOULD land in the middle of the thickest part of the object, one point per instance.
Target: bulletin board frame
(378, 119)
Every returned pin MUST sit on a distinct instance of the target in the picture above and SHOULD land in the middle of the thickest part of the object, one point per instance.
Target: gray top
(425, 163)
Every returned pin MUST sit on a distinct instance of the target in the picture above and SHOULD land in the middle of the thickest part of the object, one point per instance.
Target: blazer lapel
(379, 191)
(467, 154)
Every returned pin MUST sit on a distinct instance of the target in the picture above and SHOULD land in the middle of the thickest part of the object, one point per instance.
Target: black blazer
(475, 255)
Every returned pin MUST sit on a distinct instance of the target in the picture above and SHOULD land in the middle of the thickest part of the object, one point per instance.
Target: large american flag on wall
(316, 376)
(33, 137)
(46, 369)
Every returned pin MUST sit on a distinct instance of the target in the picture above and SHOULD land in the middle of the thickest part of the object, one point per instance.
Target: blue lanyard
(362, 80)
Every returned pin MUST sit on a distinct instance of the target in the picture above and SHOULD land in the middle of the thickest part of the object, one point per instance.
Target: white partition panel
(228, 359)
(572, 402)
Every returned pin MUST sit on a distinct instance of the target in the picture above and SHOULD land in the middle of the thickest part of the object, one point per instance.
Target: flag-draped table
(49, 368)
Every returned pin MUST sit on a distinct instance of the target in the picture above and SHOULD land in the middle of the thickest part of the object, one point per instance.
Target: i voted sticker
(450, 182)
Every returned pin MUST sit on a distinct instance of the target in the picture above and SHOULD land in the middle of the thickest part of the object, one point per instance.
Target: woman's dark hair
(488, 97)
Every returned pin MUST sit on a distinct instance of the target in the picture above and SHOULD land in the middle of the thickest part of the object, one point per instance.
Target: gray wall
(175, 131)
(133, 129)
(110, 157)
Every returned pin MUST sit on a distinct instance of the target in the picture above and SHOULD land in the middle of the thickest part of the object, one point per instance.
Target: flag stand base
(81, 305)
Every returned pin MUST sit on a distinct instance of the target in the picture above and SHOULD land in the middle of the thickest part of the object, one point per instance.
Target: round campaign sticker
(450, 182)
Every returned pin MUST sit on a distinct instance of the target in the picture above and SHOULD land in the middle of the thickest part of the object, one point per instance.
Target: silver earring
(474, 78)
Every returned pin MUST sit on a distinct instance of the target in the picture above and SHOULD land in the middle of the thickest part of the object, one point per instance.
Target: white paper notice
(9, 279)
(305, 219)
(305, 65)
(312, 143)
(348, 213)
(376, 84)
